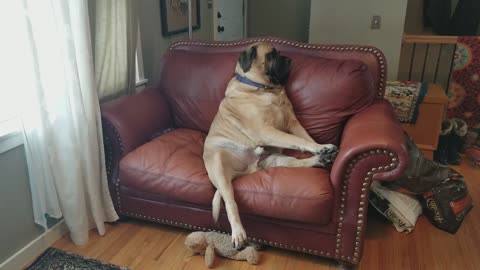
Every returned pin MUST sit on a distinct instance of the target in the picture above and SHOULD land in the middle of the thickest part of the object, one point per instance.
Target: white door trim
(245, 16)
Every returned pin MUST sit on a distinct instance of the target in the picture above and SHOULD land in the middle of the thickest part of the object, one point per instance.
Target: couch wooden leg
(342, 265)
(121, 219)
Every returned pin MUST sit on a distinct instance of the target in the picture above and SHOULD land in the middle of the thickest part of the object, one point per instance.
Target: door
(228, 19)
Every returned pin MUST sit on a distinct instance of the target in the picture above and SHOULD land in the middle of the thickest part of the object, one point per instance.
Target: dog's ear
(246, 58)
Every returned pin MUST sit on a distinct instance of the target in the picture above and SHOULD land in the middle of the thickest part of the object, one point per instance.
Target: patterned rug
(56, 259)
(406, 97)
(464, 90)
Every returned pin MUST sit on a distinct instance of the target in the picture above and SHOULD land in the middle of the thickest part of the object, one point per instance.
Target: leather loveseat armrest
(373, 147)
(129, 122)
(377, 134)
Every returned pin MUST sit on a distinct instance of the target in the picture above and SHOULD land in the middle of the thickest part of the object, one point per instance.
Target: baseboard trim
(28, 253)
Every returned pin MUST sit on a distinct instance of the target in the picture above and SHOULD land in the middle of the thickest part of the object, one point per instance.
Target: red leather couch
(154, 143)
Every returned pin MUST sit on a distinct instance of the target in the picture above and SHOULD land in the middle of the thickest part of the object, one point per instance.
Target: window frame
(10, 128)
(140, 79)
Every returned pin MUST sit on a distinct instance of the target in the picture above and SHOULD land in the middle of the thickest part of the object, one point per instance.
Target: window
(8, 117)
(140, 76)
(13, 75)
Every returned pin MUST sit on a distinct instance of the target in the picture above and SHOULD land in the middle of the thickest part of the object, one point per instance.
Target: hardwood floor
(144, 246)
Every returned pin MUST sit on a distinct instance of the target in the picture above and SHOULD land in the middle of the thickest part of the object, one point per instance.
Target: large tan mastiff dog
(254, 122)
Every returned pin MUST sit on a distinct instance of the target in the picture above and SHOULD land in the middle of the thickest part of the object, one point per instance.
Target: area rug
(464, 90)
(405, 97)
(56, 259)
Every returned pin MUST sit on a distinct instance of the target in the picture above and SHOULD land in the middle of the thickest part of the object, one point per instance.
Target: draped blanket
(406, 97)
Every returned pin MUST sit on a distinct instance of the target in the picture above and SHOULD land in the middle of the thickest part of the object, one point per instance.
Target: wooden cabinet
(426, 130)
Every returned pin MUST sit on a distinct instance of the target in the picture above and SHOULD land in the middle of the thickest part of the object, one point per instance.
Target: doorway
(229, 19)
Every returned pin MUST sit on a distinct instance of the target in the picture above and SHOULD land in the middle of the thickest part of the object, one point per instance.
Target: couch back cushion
(324, 92)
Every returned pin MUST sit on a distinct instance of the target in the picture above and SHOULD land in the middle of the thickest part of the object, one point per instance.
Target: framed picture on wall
(174, 16)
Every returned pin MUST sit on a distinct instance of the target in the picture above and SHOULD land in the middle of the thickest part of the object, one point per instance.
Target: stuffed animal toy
(211, 243)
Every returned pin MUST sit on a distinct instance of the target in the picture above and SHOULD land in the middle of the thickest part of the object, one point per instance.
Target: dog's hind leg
(221, 170)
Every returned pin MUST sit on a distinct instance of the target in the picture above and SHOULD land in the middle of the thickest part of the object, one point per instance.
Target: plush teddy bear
(211, 243)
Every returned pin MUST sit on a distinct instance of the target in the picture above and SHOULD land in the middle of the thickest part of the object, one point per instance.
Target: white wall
(17, 227)
(154, 44)
(348, 21)
(289, 20)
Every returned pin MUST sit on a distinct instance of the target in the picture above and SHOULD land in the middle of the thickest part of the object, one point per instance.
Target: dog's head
(264, 64)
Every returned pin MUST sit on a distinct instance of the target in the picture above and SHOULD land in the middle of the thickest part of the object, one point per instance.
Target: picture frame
(174, 16)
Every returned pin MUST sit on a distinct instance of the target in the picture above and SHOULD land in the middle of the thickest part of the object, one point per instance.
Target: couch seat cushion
(299, 194)
(170, 168)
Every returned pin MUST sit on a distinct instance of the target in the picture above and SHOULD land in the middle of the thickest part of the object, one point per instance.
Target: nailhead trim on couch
(109, 157)
(252, 239)
(360, 221)
(361, 208)
(367, 49)
(113, 172)
(363, 201)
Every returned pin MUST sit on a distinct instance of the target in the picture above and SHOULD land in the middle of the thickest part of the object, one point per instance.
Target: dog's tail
(216, 204)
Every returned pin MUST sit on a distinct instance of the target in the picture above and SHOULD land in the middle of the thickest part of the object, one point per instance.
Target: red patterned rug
(56, 259)
(464, 90)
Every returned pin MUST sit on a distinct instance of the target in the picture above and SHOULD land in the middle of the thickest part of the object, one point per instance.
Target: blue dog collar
(247, 81)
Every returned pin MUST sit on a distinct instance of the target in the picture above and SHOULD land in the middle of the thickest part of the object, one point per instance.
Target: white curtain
(59, 110)
(115, 39)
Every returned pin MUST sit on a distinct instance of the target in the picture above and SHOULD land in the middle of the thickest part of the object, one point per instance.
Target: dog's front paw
(318, 161)
(326, 149)
(327, 153)
(239, 236)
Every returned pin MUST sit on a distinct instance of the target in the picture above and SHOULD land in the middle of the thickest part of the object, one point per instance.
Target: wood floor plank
(160, 240)
(147, 246)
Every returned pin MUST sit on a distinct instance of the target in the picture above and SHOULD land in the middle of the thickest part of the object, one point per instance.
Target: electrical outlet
(376, 22)
(209, 4)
